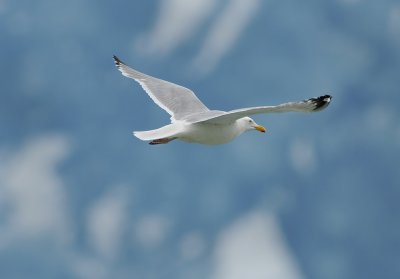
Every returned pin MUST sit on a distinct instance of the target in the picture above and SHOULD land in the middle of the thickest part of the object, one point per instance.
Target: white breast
(210, 133)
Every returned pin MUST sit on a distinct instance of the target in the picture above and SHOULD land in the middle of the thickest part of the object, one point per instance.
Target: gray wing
(310, 105)
(177, 100)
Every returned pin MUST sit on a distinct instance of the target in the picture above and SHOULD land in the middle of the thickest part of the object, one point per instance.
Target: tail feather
(167, 131)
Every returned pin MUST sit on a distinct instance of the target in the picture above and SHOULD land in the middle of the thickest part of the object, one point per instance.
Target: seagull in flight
(192, 121)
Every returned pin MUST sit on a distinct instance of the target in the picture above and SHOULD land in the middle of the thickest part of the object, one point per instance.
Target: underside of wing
(177, 100)
(309, 105)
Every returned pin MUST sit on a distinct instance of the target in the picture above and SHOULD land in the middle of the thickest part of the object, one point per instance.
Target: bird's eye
(250, 121)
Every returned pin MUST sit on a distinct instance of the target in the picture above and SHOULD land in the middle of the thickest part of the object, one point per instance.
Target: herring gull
(192, 121)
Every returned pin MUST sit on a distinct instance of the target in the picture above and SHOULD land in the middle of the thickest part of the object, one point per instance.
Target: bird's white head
(249, 124)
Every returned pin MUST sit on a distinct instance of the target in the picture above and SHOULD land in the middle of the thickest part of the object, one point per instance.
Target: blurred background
(317, 196)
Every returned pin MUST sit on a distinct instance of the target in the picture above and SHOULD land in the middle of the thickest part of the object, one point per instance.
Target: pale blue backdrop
(315, 197)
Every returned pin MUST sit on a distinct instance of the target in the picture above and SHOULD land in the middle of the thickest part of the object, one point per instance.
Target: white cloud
(89, 268)
(33, 198)
(177, 21)
(254, 247)
(3, 6)
(302, 156)
(394, 22)
(106, 223)
(380, 118)
(225, 32)
(192, 246)
(151, 230)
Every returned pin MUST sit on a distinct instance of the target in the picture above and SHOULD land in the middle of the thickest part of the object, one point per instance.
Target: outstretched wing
(177, 100)
(310, 105)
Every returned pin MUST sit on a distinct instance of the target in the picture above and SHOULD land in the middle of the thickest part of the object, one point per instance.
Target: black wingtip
(117, 61)
(321, 102)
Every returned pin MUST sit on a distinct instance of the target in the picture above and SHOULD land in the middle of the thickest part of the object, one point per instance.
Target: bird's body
(204, 133)
(192, 121)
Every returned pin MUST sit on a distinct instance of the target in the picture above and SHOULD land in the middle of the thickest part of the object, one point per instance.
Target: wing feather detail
(309, 105)
(177, 100)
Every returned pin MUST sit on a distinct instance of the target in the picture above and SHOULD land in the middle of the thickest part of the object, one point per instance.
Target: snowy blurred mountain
(315, 197)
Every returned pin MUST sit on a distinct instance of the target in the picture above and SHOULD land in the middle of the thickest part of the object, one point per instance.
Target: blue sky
(314, 197)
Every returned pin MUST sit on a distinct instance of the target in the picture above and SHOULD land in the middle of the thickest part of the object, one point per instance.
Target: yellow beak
(260, 128)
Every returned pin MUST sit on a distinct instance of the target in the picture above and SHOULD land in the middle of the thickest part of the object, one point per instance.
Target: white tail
(170, 130)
